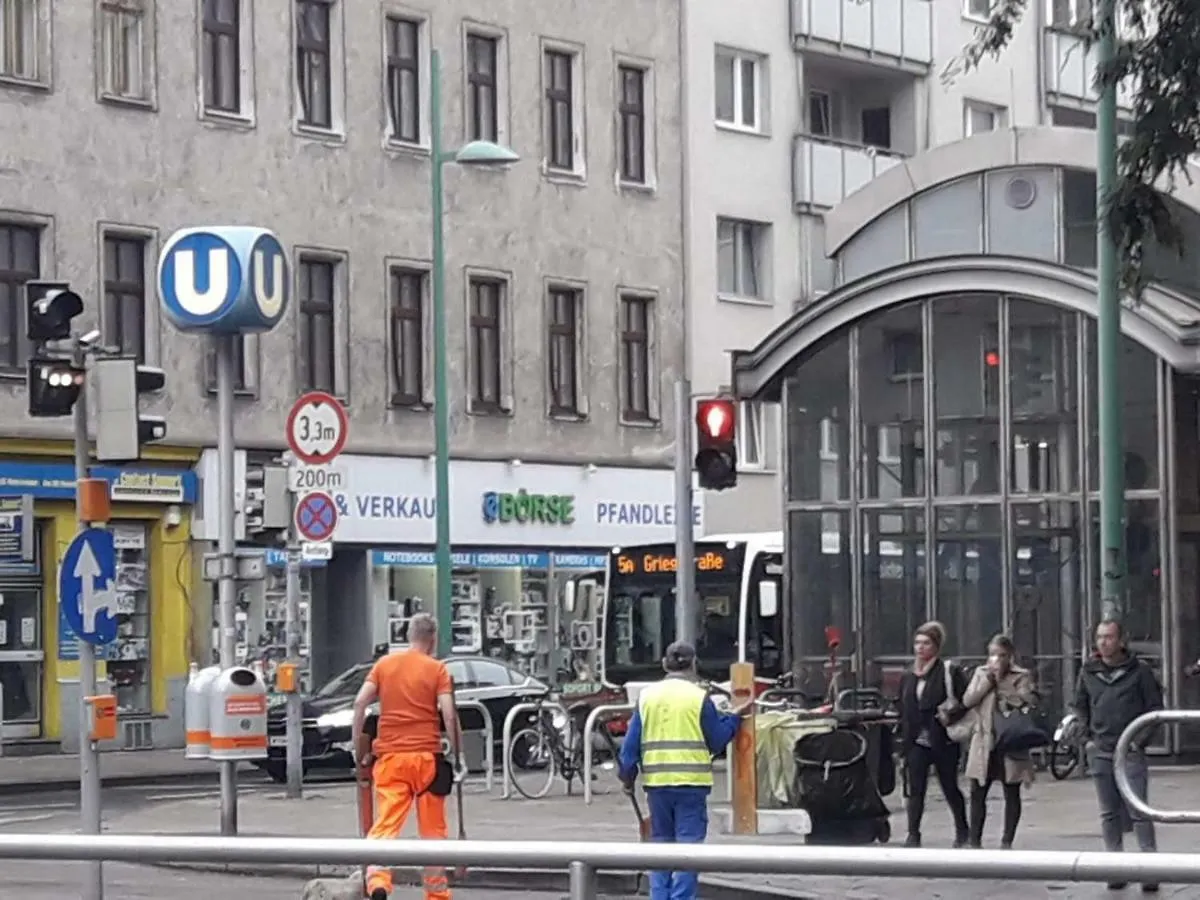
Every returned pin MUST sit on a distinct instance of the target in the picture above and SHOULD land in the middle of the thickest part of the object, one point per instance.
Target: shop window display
(261, 618)
(129, 657)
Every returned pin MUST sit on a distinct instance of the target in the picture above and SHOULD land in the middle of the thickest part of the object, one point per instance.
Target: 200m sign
(302, 479)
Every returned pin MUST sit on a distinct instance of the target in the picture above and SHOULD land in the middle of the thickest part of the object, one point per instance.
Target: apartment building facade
(798, 106)
(129, 119)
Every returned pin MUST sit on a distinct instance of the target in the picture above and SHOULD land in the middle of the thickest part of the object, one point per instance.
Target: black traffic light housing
(53, 386)
(716, 444)
(50, 308)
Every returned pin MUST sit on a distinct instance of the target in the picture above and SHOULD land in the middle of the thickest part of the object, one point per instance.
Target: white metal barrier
(584, 859)
(1121, 756)
(507, 736)
(589, 728)
(489, 737)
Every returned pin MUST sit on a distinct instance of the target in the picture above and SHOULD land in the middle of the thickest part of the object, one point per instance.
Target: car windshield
(344, 684)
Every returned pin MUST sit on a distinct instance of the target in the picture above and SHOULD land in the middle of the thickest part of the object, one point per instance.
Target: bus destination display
(663, 562)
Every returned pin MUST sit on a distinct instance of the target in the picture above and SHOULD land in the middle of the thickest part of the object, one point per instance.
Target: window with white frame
(565, 351)
(741, 252)
(486, 65)
(822, 114)
(402, 78)
(979, 118)
(408, 305)
(125, 310)
(319, 71)
(752, 435)
(21, 45)
(226, 58)
(639, 391)
(125, 57)
(563, 123)
(978, 9)
(739, 89)
(487, 345)
(1070, 13)
(635, 116)
(317, 278)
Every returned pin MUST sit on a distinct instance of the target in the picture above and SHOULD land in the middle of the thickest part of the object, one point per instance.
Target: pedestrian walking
(672, 738)
(930, 699)
(1114, 688)
(405, 763)
(999, 687)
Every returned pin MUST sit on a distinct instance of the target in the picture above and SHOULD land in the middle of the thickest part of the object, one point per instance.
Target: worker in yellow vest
(672, 739)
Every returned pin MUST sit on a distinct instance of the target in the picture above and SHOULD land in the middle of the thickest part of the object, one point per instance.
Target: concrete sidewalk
(20, 774)
(1058, 816)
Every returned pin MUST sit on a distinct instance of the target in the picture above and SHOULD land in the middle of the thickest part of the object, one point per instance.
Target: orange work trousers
(399, 780)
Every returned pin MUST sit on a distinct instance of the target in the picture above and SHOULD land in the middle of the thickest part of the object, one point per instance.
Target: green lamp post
(475, 153)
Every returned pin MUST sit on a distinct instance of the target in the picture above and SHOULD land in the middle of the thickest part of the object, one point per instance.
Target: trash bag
(833, 776)
(775, 735)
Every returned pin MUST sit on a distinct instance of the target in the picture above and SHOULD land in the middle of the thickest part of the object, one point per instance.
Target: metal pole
(441, 391)
(1112, 448)
(226, 586)
(89, 756)
(685, 548)
(581, 881)
(295, 737)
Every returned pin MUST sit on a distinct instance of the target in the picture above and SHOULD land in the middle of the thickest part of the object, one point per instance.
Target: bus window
(643, 625)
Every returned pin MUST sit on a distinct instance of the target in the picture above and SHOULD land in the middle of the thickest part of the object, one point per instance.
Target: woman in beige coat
(1000, 681)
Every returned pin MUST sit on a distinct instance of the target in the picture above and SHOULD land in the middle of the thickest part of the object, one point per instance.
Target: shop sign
(18, 554)
(525, 508)
(491, 559)
(148, 487)
(56, 481)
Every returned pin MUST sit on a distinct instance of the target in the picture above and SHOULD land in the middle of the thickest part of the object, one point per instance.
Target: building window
(221, 64)
(637, 320)
(19, 39)
(631, 107)
(314, 63)
(318, 356)
(564, 334)
(487, 326)
(978, 9)
(408, 291)
(979, 118)
(125, 294)
(1069, 13)
(483, 103)
(245, 366)
(123, 42)
(751, 435)
(821, 106)
(20, 261)
(404, 79)
(741, 250)
(562, 117)
(739, 91)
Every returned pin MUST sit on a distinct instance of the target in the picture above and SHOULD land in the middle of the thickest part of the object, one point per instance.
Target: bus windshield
(640, 613)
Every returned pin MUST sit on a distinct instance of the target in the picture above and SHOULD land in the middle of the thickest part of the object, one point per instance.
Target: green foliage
(1158, 51)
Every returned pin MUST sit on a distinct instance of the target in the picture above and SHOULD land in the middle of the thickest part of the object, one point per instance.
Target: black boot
(913, 840)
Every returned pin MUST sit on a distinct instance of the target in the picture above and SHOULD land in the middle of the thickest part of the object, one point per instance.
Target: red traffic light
(716, 420)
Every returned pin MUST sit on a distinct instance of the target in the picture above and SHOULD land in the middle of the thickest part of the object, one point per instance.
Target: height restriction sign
(317, 428)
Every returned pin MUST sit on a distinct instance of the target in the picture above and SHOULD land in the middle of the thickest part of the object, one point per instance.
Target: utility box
(195, 711)
(237, 714)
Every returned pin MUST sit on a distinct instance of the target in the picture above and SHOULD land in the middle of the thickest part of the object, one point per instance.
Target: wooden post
(743, 767)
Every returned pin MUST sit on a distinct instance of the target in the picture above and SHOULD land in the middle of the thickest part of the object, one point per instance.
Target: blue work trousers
(678, 815)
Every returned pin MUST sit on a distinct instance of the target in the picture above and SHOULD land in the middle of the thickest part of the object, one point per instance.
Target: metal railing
(583, 860)
(1121, 756)
(589, 728)
(507, 736)
(489, 738)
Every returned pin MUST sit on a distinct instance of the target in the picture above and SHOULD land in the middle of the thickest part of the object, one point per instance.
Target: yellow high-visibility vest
(674, 752)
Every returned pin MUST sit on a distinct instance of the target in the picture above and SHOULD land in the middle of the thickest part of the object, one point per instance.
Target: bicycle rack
(589, 726)
(507, 735)
(489, 738)
(1121, 756)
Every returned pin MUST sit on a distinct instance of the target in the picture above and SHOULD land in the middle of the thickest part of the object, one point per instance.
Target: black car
(328, 713)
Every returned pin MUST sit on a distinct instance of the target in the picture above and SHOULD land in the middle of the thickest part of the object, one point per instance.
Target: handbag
(964, 729)
(950, 710)
(1014, 731)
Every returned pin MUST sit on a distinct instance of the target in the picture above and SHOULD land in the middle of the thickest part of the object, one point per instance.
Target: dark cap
(680, 656)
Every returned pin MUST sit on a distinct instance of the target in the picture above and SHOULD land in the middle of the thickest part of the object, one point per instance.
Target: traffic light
(54, 386)
(121, 429)
(716, 446)
(50, 307)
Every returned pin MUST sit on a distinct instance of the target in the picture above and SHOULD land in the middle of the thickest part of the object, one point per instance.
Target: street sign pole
(226, 552)
(685, 548)
(89, 756)
(295, 736)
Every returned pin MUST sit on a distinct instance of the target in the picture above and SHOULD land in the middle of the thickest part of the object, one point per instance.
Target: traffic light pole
(685, 547)
(89, 756)
(226, 552)
(294, 727)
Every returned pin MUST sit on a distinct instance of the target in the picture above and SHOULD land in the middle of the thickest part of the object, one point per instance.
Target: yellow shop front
(146, 666)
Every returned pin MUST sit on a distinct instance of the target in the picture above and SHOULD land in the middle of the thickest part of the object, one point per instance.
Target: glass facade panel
(893, 579)
(1043, 397)
(1046, 619)
(969, 595)
(891, 392)
(819, 575)
(1143, 581)
(1139, 409)
(818, 413)
(966, 391)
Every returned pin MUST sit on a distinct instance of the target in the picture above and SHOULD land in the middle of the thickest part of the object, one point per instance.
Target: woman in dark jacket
(923, 737)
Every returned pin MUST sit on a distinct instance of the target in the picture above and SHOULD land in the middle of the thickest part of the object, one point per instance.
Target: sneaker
(1116, 885)
(379, 894)
(1150, 888)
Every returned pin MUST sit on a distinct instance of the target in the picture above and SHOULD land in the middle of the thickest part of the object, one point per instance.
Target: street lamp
(474, 153)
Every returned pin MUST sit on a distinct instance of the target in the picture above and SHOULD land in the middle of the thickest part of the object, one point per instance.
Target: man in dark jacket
(1115, 687)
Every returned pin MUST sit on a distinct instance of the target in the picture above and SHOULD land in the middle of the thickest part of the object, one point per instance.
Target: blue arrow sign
(86, 586)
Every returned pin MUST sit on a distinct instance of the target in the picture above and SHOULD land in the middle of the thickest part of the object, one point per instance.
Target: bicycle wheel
(1064, 757)
(533, 763)
(605, 768)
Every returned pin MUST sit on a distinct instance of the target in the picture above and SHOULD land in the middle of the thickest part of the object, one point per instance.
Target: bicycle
(1067, 752)
(553, 746)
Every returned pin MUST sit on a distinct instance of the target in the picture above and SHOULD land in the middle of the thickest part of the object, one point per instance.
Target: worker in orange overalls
(405, 763)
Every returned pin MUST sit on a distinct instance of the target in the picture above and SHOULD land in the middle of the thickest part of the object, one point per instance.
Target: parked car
(328, 713)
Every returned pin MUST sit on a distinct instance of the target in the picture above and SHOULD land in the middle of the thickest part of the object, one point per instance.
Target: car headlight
(343, 718)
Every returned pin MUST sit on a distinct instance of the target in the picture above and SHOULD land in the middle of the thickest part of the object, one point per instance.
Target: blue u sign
(223, 279)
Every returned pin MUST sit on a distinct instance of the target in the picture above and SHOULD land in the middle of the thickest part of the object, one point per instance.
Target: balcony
(825, 170)
(1071, 72)
(896, 32)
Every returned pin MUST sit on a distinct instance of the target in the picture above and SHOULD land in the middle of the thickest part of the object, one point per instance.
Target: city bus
(739, 582)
